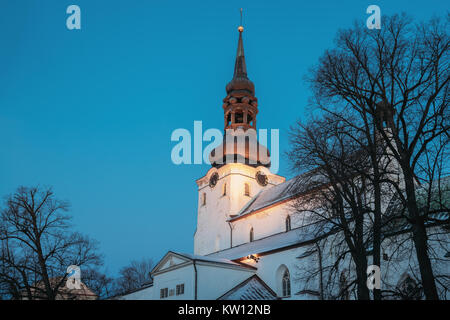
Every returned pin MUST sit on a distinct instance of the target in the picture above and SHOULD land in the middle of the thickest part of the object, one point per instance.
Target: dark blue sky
(90, 112)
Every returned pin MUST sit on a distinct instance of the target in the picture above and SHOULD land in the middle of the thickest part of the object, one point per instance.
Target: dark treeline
(38, 244)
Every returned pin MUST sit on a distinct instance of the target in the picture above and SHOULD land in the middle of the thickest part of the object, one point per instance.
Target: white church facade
(249, 241)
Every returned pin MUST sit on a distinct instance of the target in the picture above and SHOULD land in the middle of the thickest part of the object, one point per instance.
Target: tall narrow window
(247, 190)
(286, 284)
(251, 235)
(203, 199)
(224, 189)
(288, 223)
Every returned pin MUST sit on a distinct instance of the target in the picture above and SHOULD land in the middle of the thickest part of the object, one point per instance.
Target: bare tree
(37, 245)
(398, 76)
(325, 149)
(134, 276)
(99, 282)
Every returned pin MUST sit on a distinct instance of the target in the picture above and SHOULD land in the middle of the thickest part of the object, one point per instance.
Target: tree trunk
(377, 230)
(361, 272)
(420, 240)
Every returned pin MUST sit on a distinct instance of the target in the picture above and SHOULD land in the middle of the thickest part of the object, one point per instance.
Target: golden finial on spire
(241, 28)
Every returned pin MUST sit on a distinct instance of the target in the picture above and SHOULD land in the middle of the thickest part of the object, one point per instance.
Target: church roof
(213, 260)
(251, 289)
(283, 240)
(166, 263)
(280, 193)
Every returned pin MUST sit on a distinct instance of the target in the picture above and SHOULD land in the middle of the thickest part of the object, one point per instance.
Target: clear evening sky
(91, 111)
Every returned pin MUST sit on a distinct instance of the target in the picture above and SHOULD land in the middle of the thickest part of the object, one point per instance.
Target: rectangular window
(180, 289)
(164, 293)
(247, 190)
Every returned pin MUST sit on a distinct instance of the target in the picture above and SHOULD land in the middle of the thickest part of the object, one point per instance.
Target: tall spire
(240, 108)
(240, 105)
(240, 69)
(240, 80)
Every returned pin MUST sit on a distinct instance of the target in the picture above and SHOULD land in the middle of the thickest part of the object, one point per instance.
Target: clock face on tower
(213, 180)
(261, 178)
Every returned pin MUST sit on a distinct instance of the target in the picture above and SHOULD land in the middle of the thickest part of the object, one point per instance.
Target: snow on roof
(251, 289)
(277, 241)
(280, 192)
(213, 259)
(135, 294)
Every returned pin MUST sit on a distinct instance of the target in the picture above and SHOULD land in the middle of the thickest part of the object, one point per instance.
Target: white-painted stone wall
(265, 223)
(213, 282)
(213, 230)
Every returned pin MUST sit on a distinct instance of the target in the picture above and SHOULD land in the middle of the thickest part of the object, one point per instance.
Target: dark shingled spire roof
(240, 80)
(240, 69)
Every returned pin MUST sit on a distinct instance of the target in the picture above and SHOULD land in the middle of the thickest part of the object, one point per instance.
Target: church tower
(240, 165)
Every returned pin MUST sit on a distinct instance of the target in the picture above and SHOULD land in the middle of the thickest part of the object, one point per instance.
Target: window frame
(180, 289)
(288, 223)
(247, 189)
(286, 284)
(164, 293)
(203, 199)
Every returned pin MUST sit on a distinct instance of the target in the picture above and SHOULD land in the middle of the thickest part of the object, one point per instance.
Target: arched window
(343, 285)
(288, 223)
(286, 284)
(203, 199)
(247, 189)
(407, 288)
(224, 189)
(251, 235)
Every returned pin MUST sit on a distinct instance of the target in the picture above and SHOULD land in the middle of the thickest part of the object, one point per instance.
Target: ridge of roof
(284, 191)
(252, 295)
